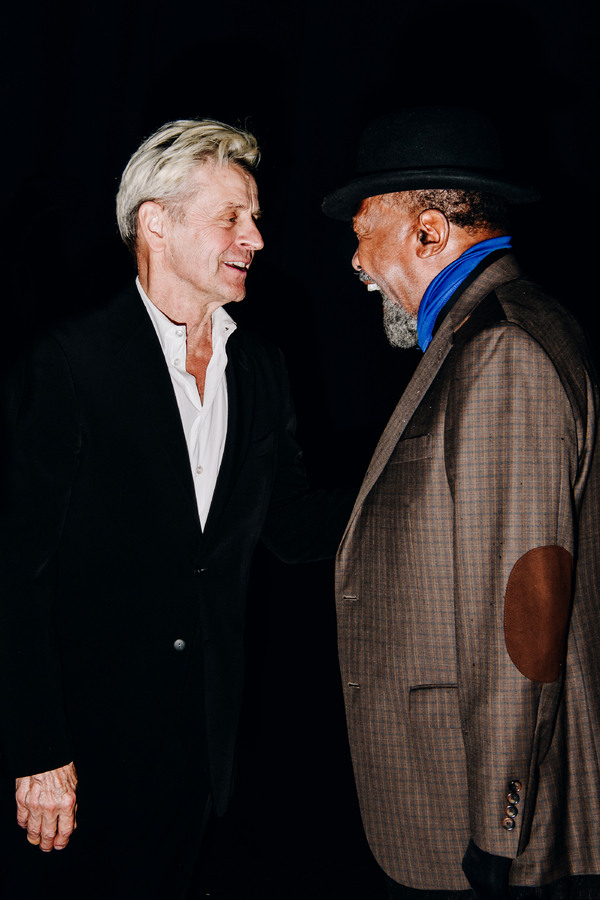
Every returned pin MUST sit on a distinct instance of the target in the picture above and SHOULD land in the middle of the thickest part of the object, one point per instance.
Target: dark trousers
(578, 887)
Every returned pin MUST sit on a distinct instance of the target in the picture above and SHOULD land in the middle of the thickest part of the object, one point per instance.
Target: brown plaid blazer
(468, 600)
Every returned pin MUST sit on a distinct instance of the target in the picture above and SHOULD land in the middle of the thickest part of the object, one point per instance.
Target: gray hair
(160, 168)
(471, 210)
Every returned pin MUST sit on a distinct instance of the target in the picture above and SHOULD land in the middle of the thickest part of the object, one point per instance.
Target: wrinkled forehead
(215, 186)
(369, 211)
(383, 209)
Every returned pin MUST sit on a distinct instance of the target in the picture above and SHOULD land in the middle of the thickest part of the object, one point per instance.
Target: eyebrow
(257, 214)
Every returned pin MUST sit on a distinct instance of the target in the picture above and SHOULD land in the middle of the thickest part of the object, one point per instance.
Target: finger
(22, 811)
(26, 801)
(46, 842)
(66, 824)
(48, 829)
(34, 826)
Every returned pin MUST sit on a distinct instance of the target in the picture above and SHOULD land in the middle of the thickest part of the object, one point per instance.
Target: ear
(433, 233)
(152, 225)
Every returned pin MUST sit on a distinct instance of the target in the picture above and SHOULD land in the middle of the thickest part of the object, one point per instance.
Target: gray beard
(400, 327)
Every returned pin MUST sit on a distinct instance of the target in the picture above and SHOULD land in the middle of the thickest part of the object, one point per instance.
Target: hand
(46, 807)
(487, 874)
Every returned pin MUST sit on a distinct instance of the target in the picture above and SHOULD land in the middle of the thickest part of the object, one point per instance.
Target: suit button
(515, 786)
(513, 798)
(508, 824)
(512, 811)
(199, 571)
(179, 644)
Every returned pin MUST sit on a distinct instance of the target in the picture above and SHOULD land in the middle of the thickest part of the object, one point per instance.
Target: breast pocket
(410, 449)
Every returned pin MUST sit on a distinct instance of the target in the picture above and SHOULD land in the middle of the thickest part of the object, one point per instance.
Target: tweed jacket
(467, 598)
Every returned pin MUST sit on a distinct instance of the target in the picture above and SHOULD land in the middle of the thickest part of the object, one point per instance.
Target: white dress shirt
(204, 424)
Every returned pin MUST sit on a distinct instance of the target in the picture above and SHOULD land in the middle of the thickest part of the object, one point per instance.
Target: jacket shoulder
(540, 314)
(248, 346)
(541, 318)
(522, 302)
(120, 312)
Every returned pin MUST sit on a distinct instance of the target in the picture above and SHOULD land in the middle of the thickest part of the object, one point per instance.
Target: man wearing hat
(467, 580)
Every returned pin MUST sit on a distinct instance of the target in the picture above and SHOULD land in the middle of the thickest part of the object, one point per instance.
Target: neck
(179, 303)
(464, 238)
(460, 241)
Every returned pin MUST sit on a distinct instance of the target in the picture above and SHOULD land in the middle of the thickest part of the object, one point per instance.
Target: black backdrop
(83, 86)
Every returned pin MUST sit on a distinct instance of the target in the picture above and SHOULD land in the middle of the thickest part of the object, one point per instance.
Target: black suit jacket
(105, 566)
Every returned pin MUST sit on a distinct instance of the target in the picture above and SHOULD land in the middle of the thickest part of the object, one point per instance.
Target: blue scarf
(446, 282)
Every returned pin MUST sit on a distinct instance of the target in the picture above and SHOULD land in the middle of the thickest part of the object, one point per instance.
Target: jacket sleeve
(511, 450)
(301, 525)
(41, 445)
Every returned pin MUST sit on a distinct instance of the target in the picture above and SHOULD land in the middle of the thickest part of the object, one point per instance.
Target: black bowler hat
(427, 147)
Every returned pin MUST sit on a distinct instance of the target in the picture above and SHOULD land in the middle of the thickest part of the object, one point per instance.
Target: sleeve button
(179, 644)
(508, 824)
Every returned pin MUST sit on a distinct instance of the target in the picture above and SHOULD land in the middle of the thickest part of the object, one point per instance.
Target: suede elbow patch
(537, 607)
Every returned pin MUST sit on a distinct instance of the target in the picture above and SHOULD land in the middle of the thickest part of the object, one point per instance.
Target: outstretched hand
(46, 807)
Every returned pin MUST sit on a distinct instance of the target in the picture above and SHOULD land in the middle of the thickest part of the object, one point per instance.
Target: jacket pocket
(434, 706)
(420, 447)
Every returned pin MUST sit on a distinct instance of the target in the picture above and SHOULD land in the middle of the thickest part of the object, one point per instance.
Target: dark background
(82, 87)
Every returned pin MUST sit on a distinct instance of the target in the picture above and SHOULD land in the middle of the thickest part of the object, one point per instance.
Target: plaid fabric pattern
(488, 455)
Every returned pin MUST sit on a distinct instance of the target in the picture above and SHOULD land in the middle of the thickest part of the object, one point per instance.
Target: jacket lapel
(240, 416)
(497, 273)
(419, 384)
(148, 388)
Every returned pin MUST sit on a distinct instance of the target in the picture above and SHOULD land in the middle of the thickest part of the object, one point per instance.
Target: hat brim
(343, 203)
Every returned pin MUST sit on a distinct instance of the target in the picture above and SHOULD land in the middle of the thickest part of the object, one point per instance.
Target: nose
(355, 263)
(252, 237)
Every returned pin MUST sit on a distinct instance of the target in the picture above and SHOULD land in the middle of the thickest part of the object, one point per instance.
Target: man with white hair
(151, 446)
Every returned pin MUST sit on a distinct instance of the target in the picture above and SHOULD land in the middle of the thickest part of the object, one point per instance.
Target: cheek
(221, 243)
(391, 268)
(368, 259)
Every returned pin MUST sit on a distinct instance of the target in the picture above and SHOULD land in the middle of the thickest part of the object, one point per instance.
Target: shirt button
(199, 470)
(176, 361)
(179, 644)
(179, 332)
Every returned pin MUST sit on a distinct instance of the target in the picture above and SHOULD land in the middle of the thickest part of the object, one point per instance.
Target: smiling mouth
(240, 266)
(371, 286)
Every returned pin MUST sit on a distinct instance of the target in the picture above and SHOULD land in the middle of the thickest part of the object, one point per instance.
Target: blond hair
(160, 168)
